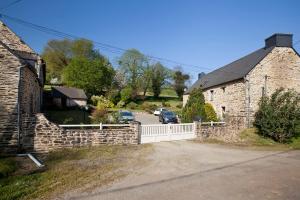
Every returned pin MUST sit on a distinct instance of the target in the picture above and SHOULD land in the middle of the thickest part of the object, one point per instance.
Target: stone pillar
(198, 130)
(135, 126)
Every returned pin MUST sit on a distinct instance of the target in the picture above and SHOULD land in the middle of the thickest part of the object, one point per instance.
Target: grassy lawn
(69, 169)
(250, 138)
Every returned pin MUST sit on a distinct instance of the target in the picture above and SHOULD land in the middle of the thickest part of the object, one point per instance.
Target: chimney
(200, 75)
(279, 40)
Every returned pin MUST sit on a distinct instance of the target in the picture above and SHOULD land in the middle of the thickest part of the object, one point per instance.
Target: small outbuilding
(68, 97)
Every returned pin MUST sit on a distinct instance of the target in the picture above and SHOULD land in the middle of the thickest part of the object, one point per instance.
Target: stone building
(22, 77)
(236, 89)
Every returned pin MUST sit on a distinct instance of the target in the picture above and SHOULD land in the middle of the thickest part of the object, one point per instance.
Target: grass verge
(71, 169)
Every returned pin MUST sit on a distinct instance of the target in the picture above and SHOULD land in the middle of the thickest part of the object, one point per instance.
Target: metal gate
(167, 132)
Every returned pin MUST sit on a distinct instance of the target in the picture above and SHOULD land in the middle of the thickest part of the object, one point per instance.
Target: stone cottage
(22, 78)
(236, 89)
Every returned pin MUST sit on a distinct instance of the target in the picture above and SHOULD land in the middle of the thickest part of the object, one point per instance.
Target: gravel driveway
(146, 118)
(187, 170)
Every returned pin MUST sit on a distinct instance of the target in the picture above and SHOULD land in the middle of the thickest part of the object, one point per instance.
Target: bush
(102, 102)
(132, 105)
(210, 113)
(194, 107)
(179, 105)
(121, 104)
(165, 104)
(148, 107)
(126, 94)
(279, 115)
(114, 96)
(100, 115)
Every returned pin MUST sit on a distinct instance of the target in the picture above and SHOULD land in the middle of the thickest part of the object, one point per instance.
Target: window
(223, 88)
(263, 91)
(223, 111)
(211, 95)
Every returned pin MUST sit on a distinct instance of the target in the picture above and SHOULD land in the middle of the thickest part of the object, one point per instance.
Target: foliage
(58, 54)
(159, 76)
(100, 115)
(179, 105)
(132, 63)
(179, 82)
(94, 76)
(148, 107)
(121, 104)
(7, 166)
(279, 115)
(76, 116)
(114, 95)
(210, 113)
(145, 81)
(101, 102)
(165, 104)
(126, 94)
(132, 105)
(194, 107)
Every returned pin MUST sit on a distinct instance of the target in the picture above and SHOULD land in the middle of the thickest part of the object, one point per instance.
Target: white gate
(167, 132)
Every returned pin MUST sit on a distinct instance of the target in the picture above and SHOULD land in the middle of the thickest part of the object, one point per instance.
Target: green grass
(7, 166)
(67, 169)
(68, 116)
(250, 138)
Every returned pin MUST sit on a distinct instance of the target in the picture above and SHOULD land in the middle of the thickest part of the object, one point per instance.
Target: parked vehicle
(168, 117)
(158, 111)
(125, 116)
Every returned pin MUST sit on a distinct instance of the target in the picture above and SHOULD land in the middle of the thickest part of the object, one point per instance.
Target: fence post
(101, 126)
(211, 123)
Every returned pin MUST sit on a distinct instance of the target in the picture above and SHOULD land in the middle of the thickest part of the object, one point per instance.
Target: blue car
(125, 116)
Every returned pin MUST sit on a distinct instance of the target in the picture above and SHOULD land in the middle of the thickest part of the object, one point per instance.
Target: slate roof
(233, 71)
(69, 92)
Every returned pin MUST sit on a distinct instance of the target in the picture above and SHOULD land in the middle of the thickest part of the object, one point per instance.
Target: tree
(179, 82)
(58, 54)
(145, 81)
(158, 77)
(93, 76)
(210, 113)
(132, 63)
(194, 107)
(278, 116)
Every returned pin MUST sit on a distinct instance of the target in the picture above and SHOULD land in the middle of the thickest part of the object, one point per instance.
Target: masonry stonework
(41, 135)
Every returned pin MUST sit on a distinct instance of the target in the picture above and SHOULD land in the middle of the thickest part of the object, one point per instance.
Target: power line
(108, 47)
(11, 4)
(104, 46)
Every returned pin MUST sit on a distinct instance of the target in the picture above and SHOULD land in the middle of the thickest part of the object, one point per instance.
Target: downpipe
(36, 161)
(19, 110)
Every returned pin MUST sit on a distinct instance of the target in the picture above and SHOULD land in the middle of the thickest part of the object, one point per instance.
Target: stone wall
(281, 68)
(9, 78)
(41, 135)
(228, 132)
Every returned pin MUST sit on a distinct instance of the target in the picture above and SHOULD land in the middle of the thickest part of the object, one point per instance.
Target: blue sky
(207, 34)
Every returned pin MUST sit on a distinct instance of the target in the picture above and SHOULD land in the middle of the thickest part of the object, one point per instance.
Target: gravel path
(187, 170)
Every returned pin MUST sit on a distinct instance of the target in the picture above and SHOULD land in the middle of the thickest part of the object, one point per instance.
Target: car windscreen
(127, 114)
(169, 114)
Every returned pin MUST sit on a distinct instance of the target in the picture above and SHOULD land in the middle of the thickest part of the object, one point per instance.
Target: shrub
(194, 107)
(100, 115)
(121, 104)
(114, 96)
(132, 105)
(148, 107)
(165, 104)
(179, 105)
(126, 94)
(279, 115)
(101, 102)
(210, 112)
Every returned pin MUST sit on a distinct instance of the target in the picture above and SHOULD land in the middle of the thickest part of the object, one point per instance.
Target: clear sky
(207, 34)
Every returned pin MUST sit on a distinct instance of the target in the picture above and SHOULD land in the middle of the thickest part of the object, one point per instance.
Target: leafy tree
(126, 94)
(278, 116)
(194, 107)
(179, 82)
(58, 54)
(94, 76)
(210, 113)
(158, 77)
(145, 81)
(132, 63)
